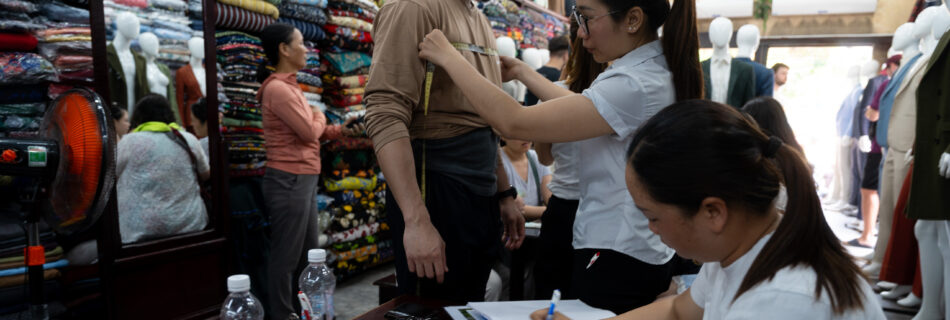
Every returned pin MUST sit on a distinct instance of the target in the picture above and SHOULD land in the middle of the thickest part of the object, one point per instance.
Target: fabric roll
(133, 3)
(303, 12)
(236, 18)
(356, 233)
(18, 6)
(349, 33)
(348, 143)
(351, 183)
(339, 101)
(310, 31)
(256, 6)
(315, 3)
(60, 12)
(351, 14)
(357, 81)
(346, 62)
(311, 89)
(17, 42)
(20, 68)
(353, 23)
(337, 42)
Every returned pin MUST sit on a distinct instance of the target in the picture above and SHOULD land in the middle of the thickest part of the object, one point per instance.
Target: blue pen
(554, 299)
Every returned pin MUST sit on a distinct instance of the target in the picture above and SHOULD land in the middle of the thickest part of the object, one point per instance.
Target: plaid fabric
(256, 6)
(232, 17)
(309, 31)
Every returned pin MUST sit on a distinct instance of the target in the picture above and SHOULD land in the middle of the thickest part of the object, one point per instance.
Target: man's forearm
(398, 164)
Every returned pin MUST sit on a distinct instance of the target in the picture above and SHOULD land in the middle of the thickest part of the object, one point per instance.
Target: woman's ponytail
(681, 47)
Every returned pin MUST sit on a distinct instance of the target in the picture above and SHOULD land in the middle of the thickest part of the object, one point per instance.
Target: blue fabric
(764, 78)
(845, 117)
(21, 270)
(887, 101)
(861, 124)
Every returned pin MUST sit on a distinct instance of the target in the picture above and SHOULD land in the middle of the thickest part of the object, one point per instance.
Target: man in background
(781, 75)
(560, 49)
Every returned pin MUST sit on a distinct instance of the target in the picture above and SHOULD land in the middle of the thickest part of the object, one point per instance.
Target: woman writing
(292, 130)
(709, 194)
(618, 263)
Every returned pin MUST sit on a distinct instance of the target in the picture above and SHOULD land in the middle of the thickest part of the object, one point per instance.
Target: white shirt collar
(639, 55)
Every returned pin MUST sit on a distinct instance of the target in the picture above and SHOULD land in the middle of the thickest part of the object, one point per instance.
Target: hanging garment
(901, 262)
(117, 90)
(187, 92)
(741, 83)
(887, 100)
(929, 199)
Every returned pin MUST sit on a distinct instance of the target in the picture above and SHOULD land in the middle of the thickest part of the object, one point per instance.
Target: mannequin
(747, 39)
(842, 175)
(127, 82)
(190, 81)
(506, 47)
(726, 82)
(896, 126)
(545, 56)
(533, 57)
(157, 74)
(928, 203)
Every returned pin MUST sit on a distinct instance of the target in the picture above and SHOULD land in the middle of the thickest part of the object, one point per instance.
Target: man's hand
(425, 250)
(513, 218)
(437, 49)
(352, 129)
(872, 114)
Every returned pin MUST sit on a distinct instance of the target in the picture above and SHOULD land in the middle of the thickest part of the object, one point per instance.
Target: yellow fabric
(352, 23)
(350, 183)
(353, 91)
(257, 6)
(155, 126)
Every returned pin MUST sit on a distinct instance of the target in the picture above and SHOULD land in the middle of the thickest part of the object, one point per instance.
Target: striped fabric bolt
(257, 6)
(239, 19)
(309, 31)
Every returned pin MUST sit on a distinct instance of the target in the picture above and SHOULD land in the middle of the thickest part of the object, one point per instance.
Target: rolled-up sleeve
(397, 73)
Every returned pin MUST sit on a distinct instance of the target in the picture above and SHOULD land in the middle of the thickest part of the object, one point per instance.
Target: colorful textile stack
(240, 54)
(529, 28)
(40, 44)
(351, 182)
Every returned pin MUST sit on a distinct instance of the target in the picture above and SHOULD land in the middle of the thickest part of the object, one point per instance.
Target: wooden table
(379, 312)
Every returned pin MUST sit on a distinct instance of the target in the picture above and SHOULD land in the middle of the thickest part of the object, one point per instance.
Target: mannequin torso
(124, 52)
(199, 71)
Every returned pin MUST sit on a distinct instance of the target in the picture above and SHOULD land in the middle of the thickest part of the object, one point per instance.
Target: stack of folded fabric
(309, 78)
(169, 22)
(242, 130)
(349, 25)
(245, 15)
(13, 269)
(195, 11)
(307, 15)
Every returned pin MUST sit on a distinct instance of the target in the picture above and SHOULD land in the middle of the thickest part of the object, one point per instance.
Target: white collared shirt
(719, 70)
(633, 89)
(564, 183)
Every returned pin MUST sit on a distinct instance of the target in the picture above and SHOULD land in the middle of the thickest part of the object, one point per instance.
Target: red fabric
(901, 260)
(17, 42)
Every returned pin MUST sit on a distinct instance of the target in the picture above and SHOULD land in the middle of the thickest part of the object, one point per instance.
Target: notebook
(574, 309)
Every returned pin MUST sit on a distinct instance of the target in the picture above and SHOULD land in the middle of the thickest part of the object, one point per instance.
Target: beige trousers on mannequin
(892, 179)
(841, 189)
(933, 238)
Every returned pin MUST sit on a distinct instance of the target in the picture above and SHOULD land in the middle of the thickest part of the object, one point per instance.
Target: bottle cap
(239, 283)
(316, 255)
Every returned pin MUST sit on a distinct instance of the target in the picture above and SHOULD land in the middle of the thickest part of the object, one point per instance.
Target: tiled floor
(358, 295)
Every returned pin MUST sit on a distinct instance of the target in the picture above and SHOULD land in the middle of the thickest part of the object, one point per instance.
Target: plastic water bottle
(317, 282)
(241, 304)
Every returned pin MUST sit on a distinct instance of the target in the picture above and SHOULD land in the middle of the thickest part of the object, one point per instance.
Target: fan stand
(34, 254)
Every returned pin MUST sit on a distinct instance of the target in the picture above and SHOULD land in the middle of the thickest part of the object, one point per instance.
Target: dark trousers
(555, 261)
(858, 160)
(618, 282)
(290, 202)
(470, 226)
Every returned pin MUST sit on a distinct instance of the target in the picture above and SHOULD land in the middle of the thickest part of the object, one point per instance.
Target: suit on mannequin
(727, 80)
(158, 76)
(127, 81)
(747, 39)
(895, 166)
(190, 81)
(929, 202)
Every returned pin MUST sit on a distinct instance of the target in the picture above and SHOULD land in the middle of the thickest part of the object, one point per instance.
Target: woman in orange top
(292, 130)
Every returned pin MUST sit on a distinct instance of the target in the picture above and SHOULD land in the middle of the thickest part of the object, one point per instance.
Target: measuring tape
(430, 72)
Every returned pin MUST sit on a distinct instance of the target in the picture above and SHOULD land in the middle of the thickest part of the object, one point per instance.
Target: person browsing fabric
(292, 131)
(709, 195)
(613, 245)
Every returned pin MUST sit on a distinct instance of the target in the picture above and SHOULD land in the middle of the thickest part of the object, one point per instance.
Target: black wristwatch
(510, 192)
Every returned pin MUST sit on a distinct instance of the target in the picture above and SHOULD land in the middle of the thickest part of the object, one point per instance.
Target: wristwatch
(510, 192)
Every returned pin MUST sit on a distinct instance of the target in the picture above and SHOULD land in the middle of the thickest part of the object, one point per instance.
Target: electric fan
(64, 176)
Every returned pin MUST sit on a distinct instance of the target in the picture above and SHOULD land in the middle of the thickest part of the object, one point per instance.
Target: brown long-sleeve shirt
(394, 94)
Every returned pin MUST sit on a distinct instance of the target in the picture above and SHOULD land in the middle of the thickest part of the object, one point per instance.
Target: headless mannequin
(546, 56)
(720, 33)
(904, 41)
(197, 48)
(128, 27)
(933, 236)
(533, 57)
(157, 81)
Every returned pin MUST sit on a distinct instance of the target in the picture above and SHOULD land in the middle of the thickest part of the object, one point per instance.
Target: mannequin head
(545, 56)
(197, 48)
(506, 47)
(533, 57)
(854, 74)
(128, 25)
(941, 23)
(149, 43)
(870, 69)
(904, 37)
(747, 39)
(720, 32)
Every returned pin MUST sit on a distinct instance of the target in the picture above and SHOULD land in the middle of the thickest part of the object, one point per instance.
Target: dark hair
(779, 65)
(770, 117)
(558, 45)
(150, 108)
(117, 111)
(696, 149)
(271, 38)
(680, 40)
(200, 110)
(581, 69)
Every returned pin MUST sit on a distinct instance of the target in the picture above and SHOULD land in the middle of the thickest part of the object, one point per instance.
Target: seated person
(158, 192)
(199, 112)
(709, 194)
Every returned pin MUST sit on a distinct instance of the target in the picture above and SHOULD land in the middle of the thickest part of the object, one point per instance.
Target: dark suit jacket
(930, 192)
(764, 78)
(117, 88)
(741, 83)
